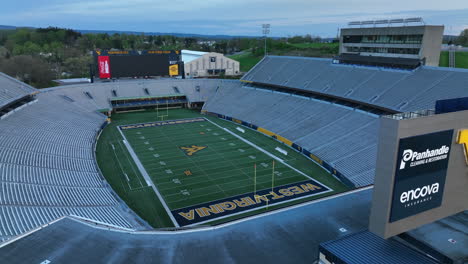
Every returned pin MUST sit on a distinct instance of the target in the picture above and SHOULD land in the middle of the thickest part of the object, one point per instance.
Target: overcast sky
(234, 17)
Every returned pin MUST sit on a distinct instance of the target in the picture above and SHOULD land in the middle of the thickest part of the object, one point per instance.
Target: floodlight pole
(265, 31)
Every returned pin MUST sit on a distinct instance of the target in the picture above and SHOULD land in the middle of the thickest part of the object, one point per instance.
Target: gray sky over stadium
(238, 17)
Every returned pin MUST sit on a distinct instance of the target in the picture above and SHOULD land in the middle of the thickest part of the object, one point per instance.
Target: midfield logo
(463, 139)
(189, 151)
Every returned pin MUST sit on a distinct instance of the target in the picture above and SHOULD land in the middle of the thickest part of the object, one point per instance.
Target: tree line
(38, 56)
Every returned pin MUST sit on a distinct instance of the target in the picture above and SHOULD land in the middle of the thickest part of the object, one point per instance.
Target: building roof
(190, 55)
(290, 235)
(366, 247)
(448, 236)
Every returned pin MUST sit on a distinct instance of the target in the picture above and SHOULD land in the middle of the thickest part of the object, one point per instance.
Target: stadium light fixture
(265, 31)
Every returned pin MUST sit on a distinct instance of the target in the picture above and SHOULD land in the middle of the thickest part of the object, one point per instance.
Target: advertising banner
(104, 67)
(420, 173)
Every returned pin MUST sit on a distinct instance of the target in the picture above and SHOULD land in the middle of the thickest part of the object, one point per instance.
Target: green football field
(168, 172)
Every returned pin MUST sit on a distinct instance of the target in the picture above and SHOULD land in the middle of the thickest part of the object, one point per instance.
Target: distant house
(205, 64)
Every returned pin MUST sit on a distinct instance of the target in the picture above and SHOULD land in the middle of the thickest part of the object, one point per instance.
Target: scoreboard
(118, 64)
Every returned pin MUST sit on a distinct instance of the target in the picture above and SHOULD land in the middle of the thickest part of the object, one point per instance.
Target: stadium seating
(195, 90)
(398, 90)
(343, 137)
(47, 168)
(12, 89)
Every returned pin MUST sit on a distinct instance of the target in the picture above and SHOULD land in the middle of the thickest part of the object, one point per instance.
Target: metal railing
(411, 115)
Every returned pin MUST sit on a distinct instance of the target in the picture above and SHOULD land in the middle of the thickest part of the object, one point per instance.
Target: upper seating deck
(396, 90)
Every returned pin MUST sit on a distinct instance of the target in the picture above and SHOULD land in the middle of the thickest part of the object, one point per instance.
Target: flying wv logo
(189, 151)
(463, 139)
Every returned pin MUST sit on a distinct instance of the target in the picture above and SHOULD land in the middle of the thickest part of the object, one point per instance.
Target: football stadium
(296, 162)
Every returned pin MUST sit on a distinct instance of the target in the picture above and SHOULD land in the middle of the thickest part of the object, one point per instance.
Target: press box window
(212, 59)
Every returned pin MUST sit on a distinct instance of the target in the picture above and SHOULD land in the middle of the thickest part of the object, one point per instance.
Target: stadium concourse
(329, 112)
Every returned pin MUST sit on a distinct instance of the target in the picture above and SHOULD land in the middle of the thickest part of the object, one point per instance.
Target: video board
(121, 64)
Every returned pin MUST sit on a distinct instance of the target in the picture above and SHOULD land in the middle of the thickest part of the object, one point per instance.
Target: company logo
(419, 194)
(415, 158)
(189, 151)
(463, 139)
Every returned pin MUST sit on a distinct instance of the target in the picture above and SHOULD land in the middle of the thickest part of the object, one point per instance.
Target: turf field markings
(266, 182)
(264, 173)
(223, 138)
(230, 161)
(125, 174)
(184, 192)
(147, 177)
(190, 158)
(268, 153)
(132, 166)
(176, 181)
(252, 157)
(151, 149)
(156, 155)
(229, 176)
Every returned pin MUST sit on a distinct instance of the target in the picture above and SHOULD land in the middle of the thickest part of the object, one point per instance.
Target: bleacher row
(398, 90)
(47, 168)
(101, 93)
(343, 137)
(12, 89)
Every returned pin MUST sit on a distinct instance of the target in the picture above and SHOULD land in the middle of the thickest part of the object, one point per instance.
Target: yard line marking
(147, 177)
(266, 152)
